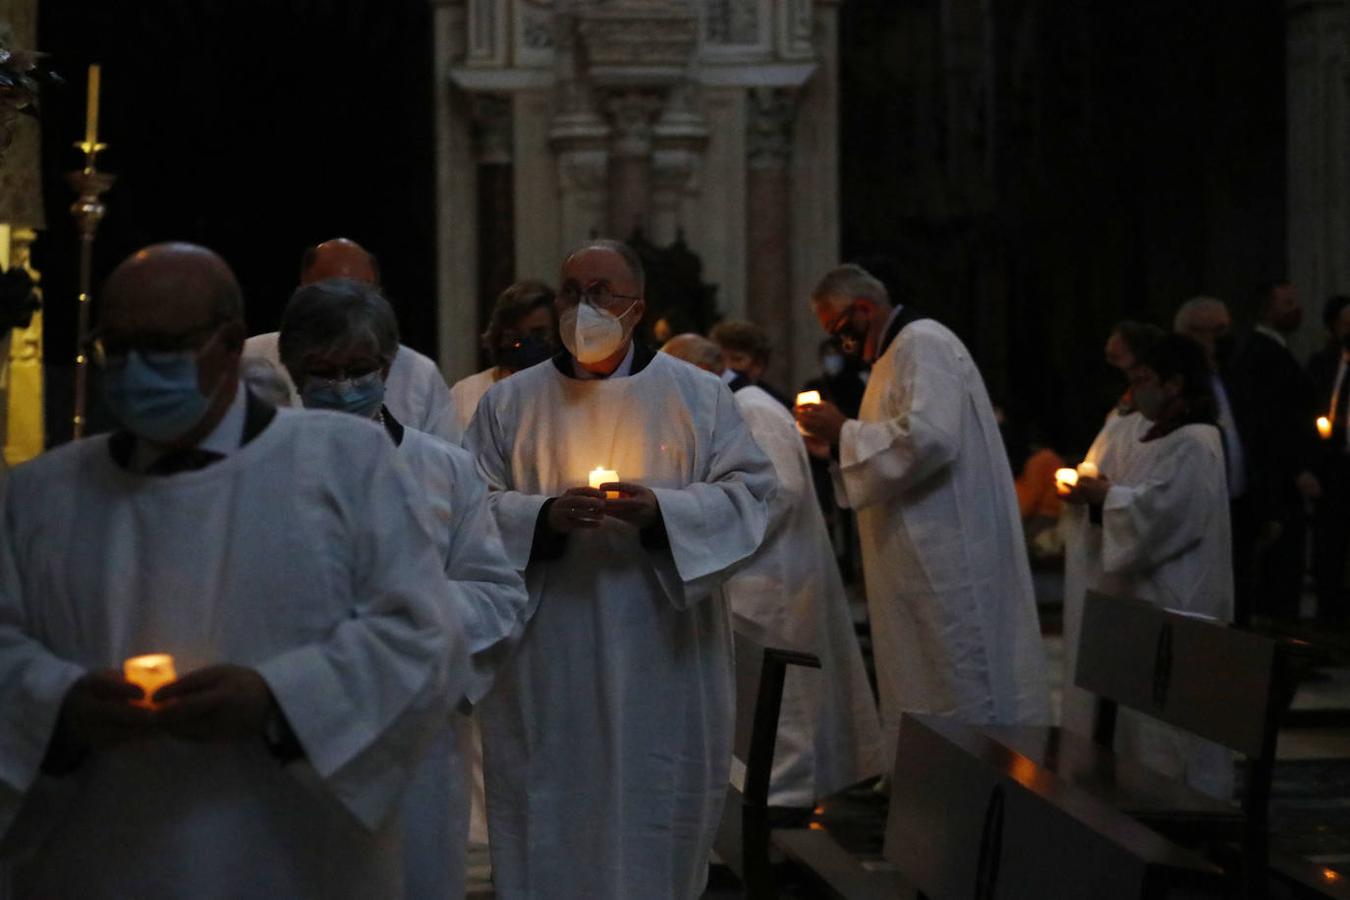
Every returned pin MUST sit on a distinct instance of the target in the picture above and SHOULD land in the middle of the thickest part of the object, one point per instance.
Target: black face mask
(523, 353)
(1225, 345)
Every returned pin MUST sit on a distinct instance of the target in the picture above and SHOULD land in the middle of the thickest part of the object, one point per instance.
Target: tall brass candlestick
(90, 185)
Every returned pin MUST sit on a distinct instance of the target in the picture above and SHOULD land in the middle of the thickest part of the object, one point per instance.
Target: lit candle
(601, 476)
(1324, 427)
(806, 398)
(1088, 470)
(91, 110)
(150, 672)
(1065, 479)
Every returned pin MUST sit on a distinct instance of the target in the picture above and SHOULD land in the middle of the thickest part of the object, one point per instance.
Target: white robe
(1111, 452)
(1164, 538)
(829, 735)
(414, 390)
(954, 625)
(466, 393)
(490, 602)
(304, 555)
(608, 736)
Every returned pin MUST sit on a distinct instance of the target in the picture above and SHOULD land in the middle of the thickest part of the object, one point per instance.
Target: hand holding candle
(1065, 479)
(601, 476)
(150, 672)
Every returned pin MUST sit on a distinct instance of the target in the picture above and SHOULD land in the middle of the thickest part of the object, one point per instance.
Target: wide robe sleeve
(516, 513)
(1145, 525)
(718, 521)
(363, 702)
(492, 592)
(33, 682)
(881, 460)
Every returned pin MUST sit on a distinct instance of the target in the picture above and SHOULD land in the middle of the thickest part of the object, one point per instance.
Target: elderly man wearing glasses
(279, 558)
(626, 486)
(338, 338)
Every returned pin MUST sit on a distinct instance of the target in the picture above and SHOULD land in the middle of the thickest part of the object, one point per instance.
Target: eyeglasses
(597, 294)
(334, 375)
(109, 351)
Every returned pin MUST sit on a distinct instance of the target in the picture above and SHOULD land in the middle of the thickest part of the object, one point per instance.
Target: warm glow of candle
(1065, 479)
(601, 476)
(91, 110)
(1324, 427)
(150, 672)
(1088, 470)
(806, 398)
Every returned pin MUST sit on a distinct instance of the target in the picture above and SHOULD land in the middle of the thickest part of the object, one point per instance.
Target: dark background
(254, 127)
(1034, 177)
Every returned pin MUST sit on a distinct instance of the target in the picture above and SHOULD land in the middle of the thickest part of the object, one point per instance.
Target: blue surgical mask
(832, 364)
(360, 396)
(155, 395)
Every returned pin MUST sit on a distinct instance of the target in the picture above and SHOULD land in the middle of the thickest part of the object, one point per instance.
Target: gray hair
(852, 281)
(1181, 323)
(335, 314)
(696, 350)
(629, 255)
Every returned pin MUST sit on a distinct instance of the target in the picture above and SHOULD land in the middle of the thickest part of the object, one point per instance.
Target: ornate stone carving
(493, 138)
(639, 33)
(734, 22)
(771, 112)
(631, 113)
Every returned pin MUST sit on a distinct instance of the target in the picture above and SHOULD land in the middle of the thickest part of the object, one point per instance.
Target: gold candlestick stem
(88, 210)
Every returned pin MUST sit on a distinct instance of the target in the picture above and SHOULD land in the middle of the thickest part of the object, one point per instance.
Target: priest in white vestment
(954, 623)
(522, 332)
(1156, 528)
(1110, 453)
(283, 559)
(829, 736)
(338, 337)
(608, 736)
(415, 389)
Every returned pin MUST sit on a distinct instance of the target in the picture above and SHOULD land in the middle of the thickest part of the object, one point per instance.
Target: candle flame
(1065, 479)
(150, 672)
(808, 398)
(1324, 427)
(600, 475)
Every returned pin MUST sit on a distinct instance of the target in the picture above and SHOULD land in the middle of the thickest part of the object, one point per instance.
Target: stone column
(769, 223)
(580, 140)
(630, 161)
(1319, 155)
(456, 188)
(679, 139)
(495, 202)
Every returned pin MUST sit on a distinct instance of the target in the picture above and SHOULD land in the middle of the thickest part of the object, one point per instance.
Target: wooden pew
(1219, 683)
(742, 841)
(970, 818)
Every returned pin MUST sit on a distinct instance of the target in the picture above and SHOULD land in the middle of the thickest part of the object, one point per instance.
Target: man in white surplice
(607, 738)
(281, 557)
(416, 390)
(828, 733)
(949, 593)
(338, 338)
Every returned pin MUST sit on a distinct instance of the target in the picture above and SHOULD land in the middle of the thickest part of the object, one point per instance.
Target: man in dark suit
(1330, 371)
(1279, 398)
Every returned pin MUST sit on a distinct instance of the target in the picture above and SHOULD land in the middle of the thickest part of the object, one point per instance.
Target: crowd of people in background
(409, 614)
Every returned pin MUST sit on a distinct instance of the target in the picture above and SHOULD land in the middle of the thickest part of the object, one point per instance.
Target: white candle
(1065, 479)
(601, 476)
(1088, 470)
(150, 672)
(807, 398)
(1324, 427)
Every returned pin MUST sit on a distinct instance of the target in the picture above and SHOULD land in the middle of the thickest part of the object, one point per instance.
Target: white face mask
(591, 334)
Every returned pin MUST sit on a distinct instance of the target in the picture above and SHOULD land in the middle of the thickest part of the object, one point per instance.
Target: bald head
(171, 288)
(339, 258)
(696, 350)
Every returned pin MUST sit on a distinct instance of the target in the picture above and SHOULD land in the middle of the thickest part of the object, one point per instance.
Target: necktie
(188, 459)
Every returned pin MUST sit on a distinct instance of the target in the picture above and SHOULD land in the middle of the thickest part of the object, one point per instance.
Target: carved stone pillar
(630, 160)
(1318, 65)
(768, 224)
(493, 144)
(580, 139)
(679, 139)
